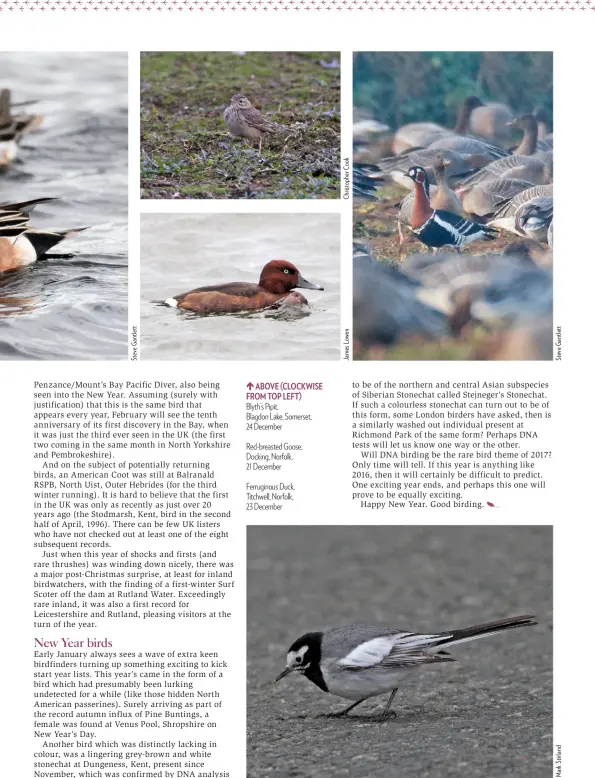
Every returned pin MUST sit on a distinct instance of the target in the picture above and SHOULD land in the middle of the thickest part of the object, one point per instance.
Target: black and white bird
(360, 661)
(438, 228)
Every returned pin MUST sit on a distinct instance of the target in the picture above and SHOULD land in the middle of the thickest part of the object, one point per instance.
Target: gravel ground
(487, 715)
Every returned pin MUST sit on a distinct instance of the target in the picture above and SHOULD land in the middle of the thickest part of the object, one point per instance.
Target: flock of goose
(468, 186)
(20, 243)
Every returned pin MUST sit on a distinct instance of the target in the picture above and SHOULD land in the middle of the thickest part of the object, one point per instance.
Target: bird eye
(286, 270)
(298, 659)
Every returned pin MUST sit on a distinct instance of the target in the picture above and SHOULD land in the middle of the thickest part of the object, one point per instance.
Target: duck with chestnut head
(277, 281)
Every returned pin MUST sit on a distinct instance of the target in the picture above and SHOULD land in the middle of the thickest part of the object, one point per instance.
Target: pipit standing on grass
(242, 119)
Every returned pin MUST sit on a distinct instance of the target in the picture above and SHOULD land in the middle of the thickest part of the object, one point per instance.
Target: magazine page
(293, 397)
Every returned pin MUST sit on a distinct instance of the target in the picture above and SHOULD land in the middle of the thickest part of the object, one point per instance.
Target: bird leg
(259, 145)
(389, 703)
(346, 711)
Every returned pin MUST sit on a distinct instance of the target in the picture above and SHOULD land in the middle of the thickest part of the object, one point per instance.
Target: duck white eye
(286, 271)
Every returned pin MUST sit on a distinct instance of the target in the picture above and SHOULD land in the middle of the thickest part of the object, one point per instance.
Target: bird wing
(457, 225)
(394, 650)
(234, 288)
(465, 145)
(368, 654)
(260, 122)
(510, 206)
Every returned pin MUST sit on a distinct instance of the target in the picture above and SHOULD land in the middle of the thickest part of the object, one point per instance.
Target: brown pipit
(243, 120)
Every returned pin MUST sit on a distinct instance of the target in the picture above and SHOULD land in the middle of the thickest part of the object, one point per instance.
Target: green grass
(474, 344)
(186, 151)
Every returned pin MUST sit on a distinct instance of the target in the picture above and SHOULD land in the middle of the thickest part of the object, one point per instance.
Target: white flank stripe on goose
(427, 221)
(446, 226)
(470, 237)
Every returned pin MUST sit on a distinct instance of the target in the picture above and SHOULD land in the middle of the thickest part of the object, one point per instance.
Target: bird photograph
(240, 125)
(240, 286)
(244, 121)
(375, 646)
(63, 205)
(453, 206)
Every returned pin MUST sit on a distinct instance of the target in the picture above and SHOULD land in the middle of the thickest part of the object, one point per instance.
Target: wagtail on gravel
(360, 661)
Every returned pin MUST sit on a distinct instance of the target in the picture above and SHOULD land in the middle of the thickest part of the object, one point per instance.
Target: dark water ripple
(75, 307)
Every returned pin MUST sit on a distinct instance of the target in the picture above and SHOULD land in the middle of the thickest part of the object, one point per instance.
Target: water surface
(73, 308)
(181, 252)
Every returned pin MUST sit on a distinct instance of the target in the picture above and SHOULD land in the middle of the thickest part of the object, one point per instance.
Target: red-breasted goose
(441, 196)
(436, 227)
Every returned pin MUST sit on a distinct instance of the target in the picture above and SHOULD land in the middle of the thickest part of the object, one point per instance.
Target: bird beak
(303, 284)
(285, 672)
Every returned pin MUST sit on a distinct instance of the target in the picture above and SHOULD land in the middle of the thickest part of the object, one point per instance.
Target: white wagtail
(361, 661)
